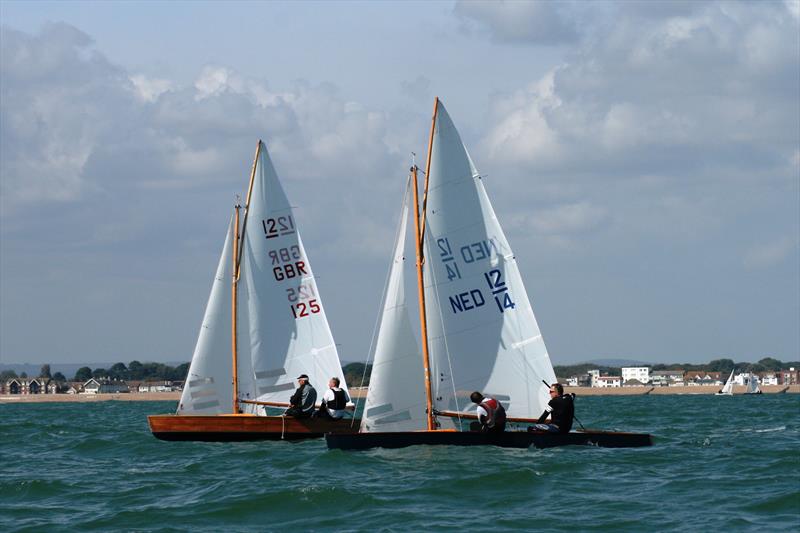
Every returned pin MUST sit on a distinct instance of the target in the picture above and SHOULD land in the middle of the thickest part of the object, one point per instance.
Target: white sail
(208, 388)
(728, 387)
(283, 331)
(396, 397)
(752, 384)
(482, 332)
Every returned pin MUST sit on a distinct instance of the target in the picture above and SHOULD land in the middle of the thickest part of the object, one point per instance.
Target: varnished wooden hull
(508, 439)
(226, 428)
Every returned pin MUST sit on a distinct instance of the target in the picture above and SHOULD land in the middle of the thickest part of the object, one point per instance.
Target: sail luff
(422, 315)
(234, 295)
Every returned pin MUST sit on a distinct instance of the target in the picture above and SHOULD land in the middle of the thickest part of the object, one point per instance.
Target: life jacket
(494, 412)
(339, 400)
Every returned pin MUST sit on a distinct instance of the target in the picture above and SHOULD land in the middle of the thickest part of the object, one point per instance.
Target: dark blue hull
(509, 439)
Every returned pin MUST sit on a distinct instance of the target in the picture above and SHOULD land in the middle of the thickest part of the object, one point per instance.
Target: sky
(642, 157)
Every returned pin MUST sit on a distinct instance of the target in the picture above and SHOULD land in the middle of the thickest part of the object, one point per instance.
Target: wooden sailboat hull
(227, 428)
(508, 439)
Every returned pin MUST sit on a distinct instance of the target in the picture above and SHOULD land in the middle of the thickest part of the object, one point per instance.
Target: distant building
(632, 383)
(701, 377)
(789, 377)
(29, 386)
(593, 375)
(639, 373)
(607, 381)
(744, 378)
(13, 386)
(156, 386)
(768, 378)
(105, 386)
(73, 387)
(667, 378)
(582, 380)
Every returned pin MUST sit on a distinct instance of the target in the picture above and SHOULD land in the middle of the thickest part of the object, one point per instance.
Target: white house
(608, 381)
(769, 378)
(639, 373)
(593, 375)
(95, 387)
(667, 378)
(744, 378)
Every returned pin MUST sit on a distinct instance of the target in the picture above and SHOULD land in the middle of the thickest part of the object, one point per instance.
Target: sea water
(719, 463)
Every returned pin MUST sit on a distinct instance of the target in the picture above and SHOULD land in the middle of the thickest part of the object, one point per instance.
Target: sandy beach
(361, 392)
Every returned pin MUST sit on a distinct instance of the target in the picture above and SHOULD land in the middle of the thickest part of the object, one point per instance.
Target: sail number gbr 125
(473, 299)
(303, 300)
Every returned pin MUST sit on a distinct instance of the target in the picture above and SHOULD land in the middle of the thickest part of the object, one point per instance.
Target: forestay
(396, 397)
(208, 388)
(482, 332)
(282, 328)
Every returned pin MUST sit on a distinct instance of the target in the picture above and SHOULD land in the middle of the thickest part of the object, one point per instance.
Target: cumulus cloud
(699, 94)
(539, 22)
(769, 254)
(83, 138)
(52, 84)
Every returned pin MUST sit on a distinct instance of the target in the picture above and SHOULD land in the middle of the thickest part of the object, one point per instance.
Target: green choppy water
(719, 463)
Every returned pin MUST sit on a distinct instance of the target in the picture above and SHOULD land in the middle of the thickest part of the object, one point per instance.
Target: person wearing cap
(560, 409)
(491, 414)
(301, 404)
(334, 401)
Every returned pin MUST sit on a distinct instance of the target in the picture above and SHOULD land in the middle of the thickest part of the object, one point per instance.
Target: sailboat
(752, 384)
(264, 326)
(727, 389)
(477, 327)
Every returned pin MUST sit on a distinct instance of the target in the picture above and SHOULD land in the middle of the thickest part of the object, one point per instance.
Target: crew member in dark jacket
(334, 401)
(561, 410)
(301, 404)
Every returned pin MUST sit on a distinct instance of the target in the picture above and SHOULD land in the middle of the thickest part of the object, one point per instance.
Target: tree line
(357, 374)
(767, 364)
(134, 371)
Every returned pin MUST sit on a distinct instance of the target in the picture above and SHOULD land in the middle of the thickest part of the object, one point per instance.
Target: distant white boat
(727, 390)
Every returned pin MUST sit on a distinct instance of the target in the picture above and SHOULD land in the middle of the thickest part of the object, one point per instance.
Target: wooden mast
(419, 234)
(428, 167)
(237, 256)
(247, 204)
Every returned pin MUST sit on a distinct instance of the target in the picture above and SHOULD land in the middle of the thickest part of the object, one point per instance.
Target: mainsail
(396, 397)
(208, 388)
(482, 332)
(283, 331)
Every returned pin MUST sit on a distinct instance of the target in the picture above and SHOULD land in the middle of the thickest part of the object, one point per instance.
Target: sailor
(334, 401)
(560, 408)
(491, 414)
(301, 404)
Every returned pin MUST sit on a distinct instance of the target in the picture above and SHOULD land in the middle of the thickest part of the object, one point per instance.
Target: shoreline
(358, 393)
